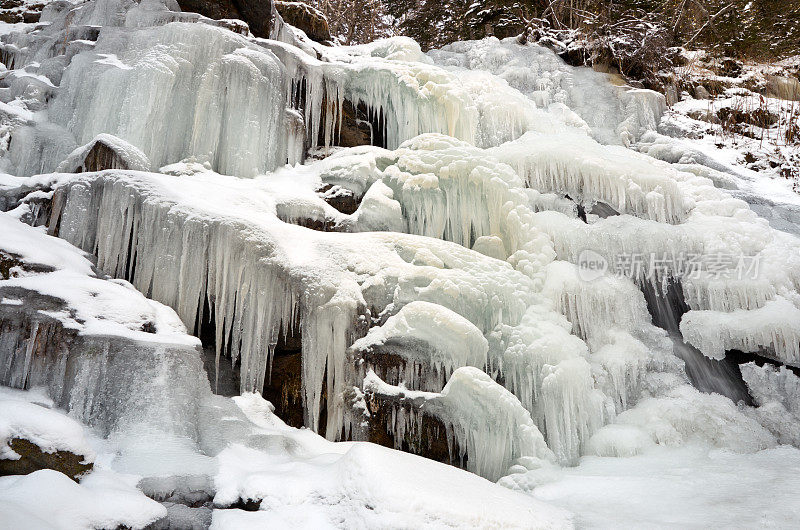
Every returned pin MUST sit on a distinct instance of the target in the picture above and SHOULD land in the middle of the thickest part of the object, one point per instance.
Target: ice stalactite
(113, 358)
(258, 286)
(629, 183)
(490, 158)
(611, 315)
(489, 423)
(594, 307)
(438, 181)
(378, 79)
(546, 368)
(179, 260)
(225, 93)
(104, 151)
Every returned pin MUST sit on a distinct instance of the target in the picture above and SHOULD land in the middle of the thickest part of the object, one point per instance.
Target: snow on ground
(301, 480)
(369, 486)
(685, 487)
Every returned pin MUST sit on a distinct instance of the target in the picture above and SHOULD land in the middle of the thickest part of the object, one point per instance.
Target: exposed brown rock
(15, 11)
(340, 198)
(306, 18)
(283, 386)
(257, 13)
(34, 459)
(428, 439)
(101, 156)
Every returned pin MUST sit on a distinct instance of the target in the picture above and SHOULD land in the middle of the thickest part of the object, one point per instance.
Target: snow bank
(683, 487)
(48, 499)
(370, 485)
(50, 430)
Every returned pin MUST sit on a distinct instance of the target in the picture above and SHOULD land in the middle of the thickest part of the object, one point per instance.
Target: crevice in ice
(283, 386)
(223, 374)
(667, 306)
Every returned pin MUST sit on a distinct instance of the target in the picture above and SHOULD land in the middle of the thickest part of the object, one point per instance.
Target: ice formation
(776, 391)
(428, 336)
(455, 288)
(771, 329)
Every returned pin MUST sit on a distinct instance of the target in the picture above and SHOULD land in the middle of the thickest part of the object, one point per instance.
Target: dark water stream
(707, 375)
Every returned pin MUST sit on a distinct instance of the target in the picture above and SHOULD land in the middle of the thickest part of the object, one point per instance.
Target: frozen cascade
(195, 261)
(239, 129)
(707, 374)
(615, 115)
(489, 169)
(614, 175)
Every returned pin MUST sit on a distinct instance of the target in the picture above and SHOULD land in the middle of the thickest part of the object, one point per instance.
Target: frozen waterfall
(483, 293)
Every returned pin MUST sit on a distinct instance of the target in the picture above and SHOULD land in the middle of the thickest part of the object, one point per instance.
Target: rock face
(15, 11)
(257, 13)
(428, 439)
(305, 17)
(105, 152)
(33, 459)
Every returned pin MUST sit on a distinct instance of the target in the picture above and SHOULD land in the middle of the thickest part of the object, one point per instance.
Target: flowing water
(708, 375)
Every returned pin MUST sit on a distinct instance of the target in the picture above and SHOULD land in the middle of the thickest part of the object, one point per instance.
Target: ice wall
(260, 275)
(495, 166)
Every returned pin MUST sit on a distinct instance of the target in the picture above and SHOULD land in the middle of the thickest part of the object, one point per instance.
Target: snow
(687, 487)
(322, 484)
(452, 341)
(614, 115)
(130, 156)
(489, 423)
(371, 485)
(94, 306)
(49, 430)
(49, 499)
